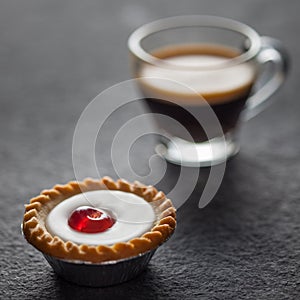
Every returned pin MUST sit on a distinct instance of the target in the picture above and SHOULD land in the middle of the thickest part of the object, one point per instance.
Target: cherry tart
(98, 220)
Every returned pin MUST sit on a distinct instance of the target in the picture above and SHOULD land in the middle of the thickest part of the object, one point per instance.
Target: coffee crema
(193, 76)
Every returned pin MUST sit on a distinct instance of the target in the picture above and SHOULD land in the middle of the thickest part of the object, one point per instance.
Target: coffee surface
(190, 74)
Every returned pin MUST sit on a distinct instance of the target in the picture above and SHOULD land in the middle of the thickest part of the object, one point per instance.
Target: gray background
(55, 56)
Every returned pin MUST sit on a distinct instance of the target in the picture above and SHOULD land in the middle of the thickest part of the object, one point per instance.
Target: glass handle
(273, 53)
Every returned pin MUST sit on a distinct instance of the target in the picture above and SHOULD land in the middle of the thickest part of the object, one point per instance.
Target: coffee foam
(184, 85)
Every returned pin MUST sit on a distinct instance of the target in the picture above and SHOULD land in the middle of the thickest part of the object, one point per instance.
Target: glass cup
(201, 77)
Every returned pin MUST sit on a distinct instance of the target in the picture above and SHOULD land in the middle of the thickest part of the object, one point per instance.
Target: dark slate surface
(55, 56)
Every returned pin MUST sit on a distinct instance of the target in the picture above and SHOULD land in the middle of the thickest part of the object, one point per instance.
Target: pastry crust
(36, 212)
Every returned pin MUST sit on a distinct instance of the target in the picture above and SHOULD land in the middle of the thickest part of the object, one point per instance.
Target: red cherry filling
(90, 220)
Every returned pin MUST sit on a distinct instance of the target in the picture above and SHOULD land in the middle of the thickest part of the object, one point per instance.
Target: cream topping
(134, 216)
(185, 86)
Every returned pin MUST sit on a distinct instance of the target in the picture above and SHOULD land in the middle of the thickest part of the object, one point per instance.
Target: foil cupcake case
(100, 274)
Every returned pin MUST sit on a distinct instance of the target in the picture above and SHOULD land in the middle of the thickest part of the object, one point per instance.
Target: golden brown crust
(37, 234)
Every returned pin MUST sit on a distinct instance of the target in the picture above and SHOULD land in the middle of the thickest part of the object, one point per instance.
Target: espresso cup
(201, 77)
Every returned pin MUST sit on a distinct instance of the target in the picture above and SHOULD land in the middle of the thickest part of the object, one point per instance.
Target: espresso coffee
(193, 77)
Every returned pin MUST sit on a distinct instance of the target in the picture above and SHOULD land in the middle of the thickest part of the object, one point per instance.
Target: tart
(98, 221)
